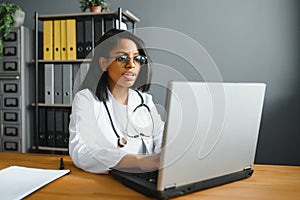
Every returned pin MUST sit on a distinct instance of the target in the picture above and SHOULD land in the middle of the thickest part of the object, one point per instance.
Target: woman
(112, 125)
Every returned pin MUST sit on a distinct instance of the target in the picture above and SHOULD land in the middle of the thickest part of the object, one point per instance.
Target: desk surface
(267, 182)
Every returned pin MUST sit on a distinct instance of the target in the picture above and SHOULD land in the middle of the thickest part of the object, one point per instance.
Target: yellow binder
(71, 39)
(56, 40)
(63, 39)
(48, 40)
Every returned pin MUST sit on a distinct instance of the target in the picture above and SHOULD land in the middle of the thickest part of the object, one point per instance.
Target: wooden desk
(267, 182)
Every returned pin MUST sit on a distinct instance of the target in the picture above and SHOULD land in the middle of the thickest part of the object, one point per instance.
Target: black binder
(67, 113)
(99, 29)
(88, 37)
(59, 128)
(80, 38)
(42, 127)
(84, 38)
(50, 127)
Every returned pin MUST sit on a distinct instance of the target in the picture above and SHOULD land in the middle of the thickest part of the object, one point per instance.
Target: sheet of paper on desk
(18, 182)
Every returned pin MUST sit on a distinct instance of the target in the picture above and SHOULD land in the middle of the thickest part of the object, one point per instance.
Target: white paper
(18, 182)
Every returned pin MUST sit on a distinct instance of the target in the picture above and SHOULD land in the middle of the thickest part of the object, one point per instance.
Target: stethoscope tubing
(122, 141)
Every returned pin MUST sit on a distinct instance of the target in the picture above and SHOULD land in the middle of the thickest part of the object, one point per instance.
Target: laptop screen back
(211, 130)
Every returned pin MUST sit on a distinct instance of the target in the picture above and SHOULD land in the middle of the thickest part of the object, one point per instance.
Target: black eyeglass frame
(125, 60)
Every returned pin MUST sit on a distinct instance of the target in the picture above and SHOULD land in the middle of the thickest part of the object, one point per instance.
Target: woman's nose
(130, 64)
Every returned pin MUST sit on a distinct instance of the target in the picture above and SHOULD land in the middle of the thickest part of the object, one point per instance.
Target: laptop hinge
(170, 186)
(248, 168)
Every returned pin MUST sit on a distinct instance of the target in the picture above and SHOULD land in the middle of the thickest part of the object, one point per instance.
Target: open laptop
(210, 138)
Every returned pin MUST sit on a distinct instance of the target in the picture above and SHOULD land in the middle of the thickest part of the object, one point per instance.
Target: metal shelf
(120, 15)
(45, 148)
(127, 16)
(52, 105)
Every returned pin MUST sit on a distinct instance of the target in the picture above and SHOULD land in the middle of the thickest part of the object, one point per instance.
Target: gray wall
(249, 40)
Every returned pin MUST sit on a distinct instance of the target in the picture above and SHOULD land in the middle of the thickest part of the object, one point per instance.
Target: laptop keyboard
(150, 176)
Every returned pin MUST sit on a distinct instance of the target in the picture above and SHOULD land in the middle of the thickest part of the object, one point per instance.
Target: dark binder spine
(67, 113)
(59, 128)
(98, 30)
(80, 38)
(42, 127)
(88, 36)
(50, 127)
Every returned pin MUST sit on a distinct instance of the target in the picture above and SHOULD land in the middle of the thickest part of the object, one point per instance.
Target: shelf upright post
(36, 17)
(93, 36)
(120, 16)
(133, 26)
(103, 28)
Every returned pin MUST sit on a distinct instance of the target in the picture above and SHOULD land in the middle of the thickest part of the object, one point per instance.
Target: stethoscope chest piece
(122, 142)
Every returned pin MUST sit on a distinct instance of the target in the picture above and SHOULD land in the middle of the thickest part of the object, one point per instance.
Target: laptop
(210, 138)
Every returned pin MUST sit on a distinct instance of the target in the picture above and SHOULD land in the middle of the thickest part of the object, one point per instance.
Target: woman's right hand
(145, 163)
(149, 162)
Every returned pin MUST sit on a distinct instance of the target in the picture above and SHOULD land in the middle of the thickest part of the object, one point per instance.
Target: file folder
(50, 127)
(71, 39)
(67, 113)
(80, 38)
(63, 39)
(88, 38)
(59, 135)
(48, 40)
(67, 83)
(56, 39)
(58, 80)
(80, 75)
(49, 83)
(42, 127)
(99, 29)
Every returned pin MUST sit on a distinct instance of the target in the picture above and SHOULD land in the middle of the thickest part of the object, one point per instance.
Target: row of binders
(60, 79)
(54, 127)
(59, 39)
(71, 39)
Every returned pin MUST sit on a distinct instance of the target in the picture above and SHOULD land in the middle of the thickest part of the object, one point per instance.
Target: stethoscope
(121, 140)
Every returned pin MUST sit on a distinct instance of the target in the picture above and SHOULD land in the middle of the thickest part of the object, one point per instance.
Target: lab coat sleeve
(88, 148)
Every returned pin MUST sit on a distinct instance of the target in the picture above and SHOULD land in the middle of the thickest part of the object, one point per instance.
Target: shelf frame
(122, 16)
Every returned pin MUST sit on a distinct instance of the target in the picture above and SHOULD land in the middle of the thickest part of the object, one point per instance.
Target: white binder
(67, 83)
(79, 75)
(49, 83)
(58, 88)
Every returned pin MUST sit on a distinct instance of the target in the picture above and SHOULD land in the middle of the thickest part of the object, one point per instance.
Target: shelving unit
(114, 18)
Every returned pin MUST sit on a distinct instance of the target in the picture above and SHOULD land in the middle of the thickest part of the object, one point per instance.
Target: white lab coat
(93, 143)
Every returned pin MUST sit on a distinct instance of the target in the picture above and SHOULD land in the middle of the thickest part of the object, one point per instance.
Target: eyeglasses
(124, 60)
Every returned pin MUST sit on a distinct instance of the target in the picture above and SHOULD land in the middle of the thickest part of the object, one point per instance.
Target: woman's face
(121, 74)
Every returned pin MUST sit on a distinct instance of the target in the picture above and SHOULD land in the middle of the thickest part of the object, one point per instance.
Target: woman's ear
(103, 62)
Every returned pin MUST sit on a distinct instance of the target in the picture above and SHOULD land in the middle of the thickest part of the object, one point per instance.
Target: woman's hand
(146, 163)
(149, 162)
